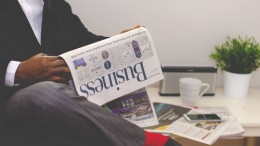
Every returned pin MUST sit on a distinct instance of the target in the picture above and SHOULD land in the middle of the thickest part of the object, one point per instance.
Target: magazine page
(135, 107)
(204, 132)
(113, 67)
(166, 115)
(171, 120)
(235, 129)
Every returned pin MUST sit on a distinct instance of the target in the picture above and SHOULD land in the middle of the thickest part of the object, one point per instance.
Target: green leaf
(237, 55)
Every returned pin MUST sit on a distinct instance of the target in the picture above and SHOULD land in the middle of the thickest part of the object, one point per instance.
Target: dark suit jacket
(61, 31)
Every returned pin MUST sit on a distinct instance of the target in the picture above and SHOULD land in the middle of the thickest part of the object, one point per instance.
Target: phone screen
(203, 117)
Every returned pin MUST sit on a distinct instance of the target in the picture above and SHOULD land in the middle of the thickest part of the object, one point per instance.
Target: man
(38, 105)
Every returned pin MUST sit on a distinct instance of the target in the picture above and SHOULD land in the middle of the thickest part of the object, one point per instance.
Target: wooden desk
(247, 110)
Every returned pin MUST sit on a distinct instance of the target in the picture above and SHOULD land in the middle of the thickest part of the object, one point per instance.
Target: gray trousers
(48, 107)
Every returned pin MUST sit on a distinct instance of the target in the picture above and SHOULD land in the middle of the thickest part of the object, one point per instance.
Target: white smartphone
(202, 117)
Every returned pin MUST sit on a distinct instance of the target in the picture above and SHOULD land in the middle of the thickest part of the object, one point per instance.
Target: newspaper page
(235, 129)
(135, 107)
(204, 132)
(113, 67)
(171, 120)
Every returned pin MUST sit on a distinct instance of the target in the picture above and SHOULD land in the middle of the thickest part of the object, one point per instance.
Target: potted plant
(238, 58)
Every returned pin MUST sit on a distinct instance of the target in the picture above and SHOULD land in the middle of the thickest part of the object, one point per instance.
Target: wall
(184, 31)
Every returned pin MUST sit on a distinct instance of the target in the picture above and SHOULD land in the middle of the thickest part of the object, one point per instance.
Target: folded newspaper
(111, 68)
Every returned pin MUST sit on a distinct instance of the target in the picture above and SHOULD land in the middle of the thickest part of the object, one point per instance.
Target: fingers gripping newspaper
(114, 67)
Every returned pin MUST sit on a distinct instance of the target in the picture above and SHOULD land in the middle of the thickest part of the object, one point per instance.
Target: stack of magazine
(171, 120)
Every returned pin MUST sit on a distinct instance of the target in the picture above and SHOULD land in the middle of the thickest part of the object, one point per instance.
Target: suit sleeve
(72, 33)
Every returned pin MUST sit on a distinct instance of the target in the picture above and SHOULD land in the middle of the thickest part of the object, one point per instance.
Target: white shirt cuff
(10, 73)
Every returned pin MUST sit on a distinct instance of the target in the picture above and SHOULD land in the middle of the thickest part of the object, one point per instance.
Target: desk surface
(247, 110)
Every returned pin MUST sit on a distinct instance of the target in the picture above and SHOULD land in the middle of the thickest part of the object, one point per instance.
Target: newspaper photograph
(111, 68)
(135, 107)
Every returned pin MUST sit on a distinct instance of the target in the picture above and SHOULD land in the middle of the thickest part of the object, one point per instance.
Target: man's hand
(42, 68)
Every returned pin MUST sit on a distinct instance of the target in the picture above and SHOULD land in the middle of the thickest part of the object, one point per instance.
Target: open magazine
(171, 120)
(117, 66)
(166, 115)
(235, 129)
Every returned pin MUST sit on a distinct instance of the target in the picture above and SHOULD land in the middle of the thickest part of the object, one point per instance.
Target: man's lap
(47, 105)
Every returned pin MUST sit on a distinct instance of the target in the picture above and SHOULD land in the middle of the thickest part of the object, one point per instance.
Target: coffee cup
(191, 89)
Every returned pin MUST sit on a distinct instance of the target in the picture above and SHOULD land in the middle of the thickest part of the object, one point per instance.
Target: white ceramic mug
(191, 90)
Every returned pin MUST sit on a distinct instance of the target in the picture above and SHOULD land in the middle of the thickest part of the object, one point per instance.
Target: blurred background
(185, 32)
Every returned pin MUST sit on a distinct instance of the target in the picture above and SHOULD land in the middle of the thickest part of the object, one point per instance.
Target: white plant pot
(236, 85)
